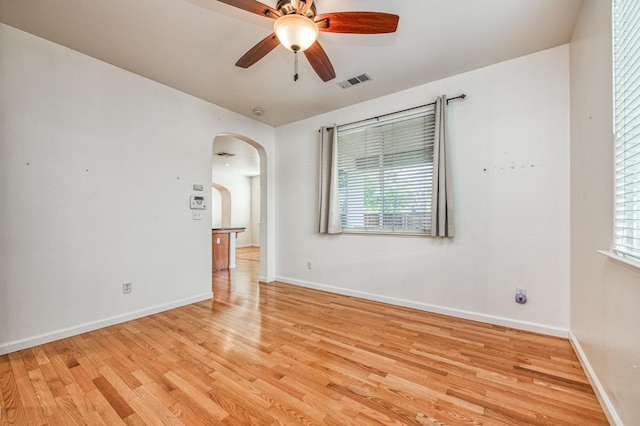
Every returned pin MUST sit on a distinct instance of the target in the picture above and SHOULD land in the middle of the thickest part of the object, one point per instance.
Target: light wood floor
(248, 253)
(278, 354)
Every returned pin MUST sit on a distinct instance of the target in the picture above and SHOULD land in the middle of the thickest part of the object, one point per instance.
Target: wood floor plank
(69, 412)
(81, 402)
(103, 408)
(32, 408)
(115, 398)
(152, 386)
(280, 354)
(195, 397)
(82, 379)
(43, 393)
(239, 411)
(57, 369)
(10, 403)
(150, 410)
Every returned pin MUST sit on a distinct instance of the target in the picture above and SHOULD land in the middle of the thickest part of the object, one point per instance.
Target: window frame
(626, 129)
(403, 217)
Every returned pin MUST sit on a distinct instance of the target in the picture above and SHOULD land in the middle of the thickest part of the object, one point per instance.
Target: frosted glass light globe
(296, 32)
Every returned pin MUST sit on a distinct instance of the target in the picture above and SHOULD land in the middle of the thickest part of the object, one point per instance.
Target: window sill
(396, 234)
(620, 259)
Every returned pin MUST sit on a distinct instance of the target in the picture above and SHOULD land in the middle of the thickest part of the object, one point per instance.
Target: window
(626, 71)
(385, 174)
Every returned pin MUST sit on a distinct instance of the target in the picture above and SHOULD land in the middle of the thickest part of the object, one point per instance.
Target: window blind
(385, 173)
(626, 70)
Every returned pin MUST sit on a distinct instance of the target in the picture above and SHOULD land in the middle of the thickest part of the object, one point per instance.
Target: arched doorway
(222, 145)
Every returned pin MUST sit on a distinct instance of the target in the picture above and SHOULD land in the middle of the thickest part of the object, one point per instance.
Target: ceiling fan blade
(254, 7)
(357, 22)
(258, 51)
(320, 62)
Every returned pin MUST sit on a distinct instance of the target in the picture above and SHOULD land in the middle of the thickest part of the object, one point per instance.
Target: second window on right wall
(626, 92)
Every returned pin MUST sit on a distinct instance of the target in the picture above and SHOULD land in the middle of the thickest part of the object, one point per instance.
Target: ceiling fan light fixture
(296, 32)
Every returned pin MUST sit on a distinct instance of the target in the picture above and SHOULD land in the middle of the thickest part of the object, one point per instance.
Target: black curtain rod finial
(457, 97)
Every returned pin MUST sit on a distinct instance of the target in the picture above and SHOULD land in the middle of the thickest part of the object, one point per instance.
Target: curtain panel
(330, 221)
(442, 201)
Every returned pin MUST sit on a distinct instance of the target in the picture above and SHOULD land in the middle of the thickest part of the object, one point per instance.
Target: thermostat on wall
(197, 202)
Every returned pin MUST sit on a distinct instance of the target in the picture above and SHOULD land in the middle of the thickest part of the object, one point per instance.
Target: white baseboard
(605, 402)
(28, 342)
(474, 316)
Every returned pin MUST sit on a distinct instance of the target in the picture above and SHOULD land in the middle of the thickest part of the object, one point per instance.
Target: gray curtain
(329, 203)
(442, 201)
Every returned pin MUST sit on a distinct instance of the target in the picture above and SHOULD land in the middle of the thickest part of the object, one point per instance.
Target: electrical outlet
(309, 265)
(521, 295)
(126, 288)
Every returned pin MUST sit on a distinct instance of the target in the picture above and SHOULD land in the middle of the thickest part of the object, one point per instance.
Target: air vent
(354, 80)
(225, 154)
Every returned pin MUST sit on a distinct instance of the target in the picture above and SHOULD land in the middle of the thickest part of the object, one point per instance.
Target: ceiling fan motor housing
(286, 7)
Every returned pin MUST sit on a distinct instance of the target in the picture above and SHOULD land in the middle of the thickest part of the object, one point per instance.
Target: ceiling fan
(297, 25)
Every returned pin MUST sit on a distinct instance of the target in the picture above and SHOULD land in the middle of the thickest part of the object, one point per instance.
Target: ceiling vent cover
(354, 80)
(225, 154)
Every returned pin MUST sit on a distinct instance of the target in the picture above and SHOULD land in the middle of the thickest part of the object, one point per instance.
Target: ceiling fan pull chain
(295, 55)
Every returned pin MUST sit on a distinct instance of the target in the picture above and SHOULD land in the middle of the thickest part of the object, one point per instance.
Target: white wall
(510, 150)
(96, 168)
(255, 211)
(240, 191)
(605, 295)
(216, 208)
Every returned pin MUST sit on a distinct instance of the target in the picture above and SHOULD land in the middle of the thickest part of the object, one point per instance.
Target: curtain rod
(462, 96)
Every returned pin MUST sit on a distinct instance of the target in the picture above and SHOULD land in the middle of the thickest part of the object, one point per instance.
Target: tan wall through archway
(225, 204)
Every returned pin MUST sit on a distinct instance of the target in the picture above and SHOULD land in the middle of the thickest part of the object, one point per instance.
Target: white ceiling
(192, 45)
(245, 160)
